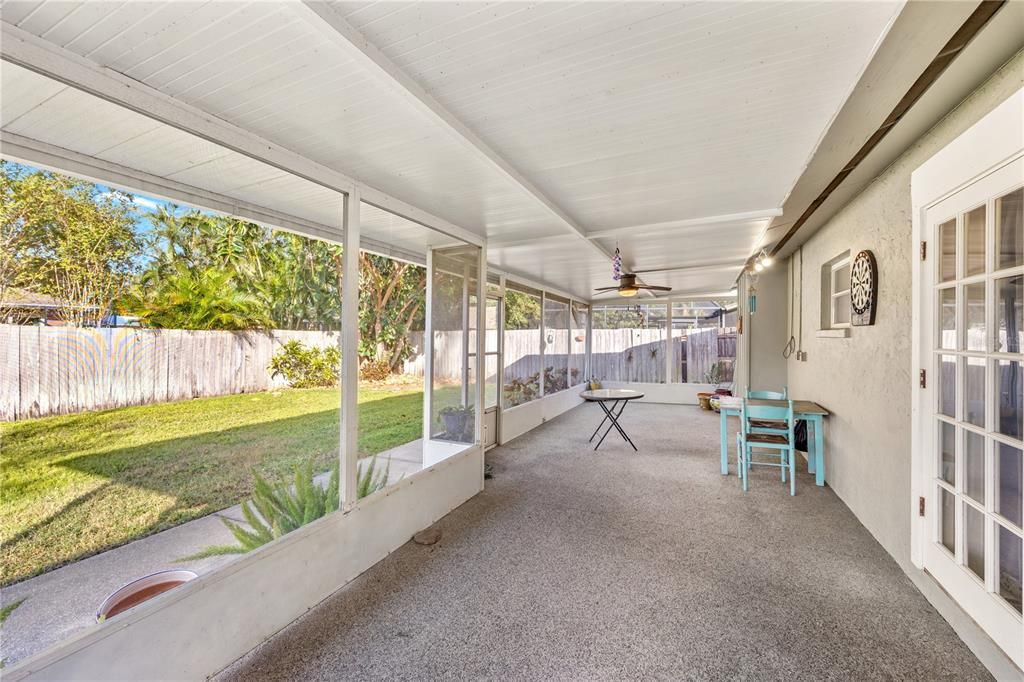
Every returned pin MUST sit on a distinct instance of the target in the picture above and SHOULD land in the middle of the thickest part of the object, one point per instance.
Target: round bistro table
(617, 397)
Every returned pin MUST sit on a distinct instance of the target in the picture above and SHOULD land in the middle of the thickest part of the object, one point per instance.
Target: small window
(835, 292)
(840, 292)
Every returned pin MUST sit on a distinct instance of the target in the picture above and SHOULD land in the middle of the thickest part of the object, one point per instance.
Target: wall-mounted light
(763, 261)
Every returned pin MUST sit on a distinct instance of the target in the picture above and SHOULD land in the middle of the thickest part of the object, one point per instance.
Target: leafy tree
(67, 238)
(392, 297)
(522, 310)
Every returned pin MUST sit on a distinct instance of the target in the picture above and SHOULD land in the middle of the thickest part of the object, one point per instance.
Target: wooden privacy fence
(617, 354)
(64, 370)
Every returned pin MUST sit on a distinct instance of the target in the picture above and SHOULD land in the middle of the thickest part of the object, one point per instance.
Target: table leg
(811, 461)
(614, 417)
(603, 420)
(725, 443)
(819, 451)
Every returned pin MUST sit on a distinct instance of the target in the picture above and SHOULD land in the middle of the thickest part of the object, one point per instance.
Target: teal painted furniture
(767, 431)
(769, 395)
(812, 412)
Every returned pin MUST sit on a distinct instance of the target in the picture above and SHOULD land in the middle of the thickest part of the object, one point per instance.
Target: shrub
(521, 390)
(375, 370)
(282, 508)
(304, 367)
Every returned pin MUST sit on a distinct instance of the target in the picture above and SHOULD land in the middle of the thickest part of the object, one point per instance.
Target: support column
(350, 351)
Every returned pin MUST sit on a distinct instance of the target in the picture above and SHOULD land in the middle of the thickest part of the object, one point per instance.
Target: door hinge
(923, 379)
(920, 506)
(924, 250)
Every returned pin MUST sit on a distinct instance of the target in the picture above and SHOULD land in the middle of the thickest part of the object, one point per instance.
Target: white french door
(973, 293)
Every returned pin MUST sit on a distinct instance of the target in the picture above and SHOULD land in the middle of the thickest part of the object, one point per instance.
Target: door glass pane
(491, 381)
(974, 540)
(947, 251)
(1010, 314)
(491, 334)
(974, 466)
(947, 385)
(974, 301)
(947, 520)
(947, 318)
(974, 234)
(974, 392)
(1008, 479)
(1009, 384)
(1009, 573)
(1010, 229)
(947, 452)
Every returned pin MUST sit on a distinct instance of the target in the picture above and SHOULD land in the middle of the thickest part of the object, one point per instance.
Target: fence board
(65, 370)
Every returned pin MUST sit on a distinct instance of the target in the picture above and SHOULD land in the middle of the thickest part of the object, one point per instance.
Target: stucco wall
(765, 331)
(866, 380)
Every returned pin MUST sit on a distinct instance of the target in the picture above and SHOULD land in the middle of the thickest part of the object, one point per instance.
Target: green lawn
(72, 486)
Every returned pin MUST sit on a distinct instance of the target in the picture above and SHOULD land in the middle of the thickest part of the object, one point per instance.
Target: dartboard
(864, 288)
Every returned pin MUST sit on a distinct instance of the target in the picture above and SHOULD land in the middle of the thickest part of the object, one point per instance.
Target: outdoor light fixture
(628, 292)
(763, 261)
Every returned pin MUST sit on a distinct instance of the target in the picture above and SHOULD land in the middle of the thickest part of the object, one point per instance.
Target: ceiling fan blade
(607, 289)
(653, 288)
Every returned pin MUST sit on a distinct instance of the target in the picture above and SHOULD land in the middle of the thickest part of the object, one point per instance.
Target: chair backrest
(776, 413)
(769, 395)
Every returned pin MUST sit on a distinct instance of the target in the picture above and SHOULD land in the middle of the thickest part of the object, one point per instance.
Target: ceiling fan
(628, 287)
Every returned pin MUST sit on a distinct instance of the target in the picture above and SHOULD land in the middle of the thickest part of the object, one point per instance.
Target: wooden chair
(768, 395)
(777, 442)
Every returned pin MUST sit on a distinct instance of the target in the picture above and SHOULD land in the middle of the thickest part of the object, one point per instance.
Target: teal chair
(769, 395)
(775, 443)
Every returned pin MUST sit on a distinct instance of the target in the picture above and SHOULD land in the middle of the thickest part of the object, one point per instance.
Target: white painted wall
(204, 625)
(866, 380)
(515, 421)
(765, 332)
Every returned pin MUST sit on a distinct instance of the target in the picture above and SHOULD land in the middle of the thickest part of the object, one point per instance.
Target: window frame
(835, 294)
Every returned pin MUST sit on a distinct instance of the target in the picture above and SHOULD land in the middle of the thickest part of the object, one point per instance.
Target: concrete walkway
(64, 601)
(576, 565)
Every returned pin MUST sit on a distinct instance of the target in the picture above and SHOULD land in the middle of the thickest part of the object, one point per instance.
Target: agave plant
(277, 510)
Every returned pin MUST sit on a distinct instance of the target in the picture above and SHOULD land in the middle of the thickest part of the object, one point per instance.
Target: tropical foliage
(276, 510)
(95, 251)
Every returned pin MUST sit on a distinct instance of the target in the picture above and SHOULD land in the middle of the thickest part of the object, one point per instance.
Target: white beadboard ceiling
(556, 130)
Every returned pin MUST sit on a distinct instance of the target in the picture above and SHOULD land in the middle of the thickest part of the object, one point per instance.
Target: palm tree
(205, 299)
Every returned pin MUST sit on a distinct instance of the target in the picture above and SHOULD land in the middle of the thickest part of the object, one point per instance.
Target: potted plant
(458, 422)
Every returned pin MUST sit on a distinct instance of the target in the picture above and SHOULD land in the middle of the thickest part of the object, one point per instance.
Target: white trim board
(978, 150)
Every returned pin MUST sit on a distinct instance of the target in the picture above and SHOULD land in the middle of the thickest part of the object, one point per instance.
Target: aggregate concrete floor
(620, 565)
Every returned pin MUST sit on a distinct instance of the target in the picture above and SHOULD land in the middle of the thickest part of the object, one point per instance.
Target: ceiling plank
(672, 225)
(341, 33)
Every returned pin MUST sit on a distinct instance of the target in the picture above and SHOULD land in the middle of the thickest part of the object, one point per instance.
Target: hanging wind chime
(617, 265)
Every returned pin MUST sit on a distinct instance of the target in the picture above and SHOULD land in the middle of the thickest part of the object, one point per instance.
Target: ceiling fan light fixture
(628, 292)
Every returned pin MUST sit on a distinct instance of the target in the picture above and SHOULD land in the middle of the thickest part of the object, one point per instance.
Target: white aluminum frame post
(349, 339)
